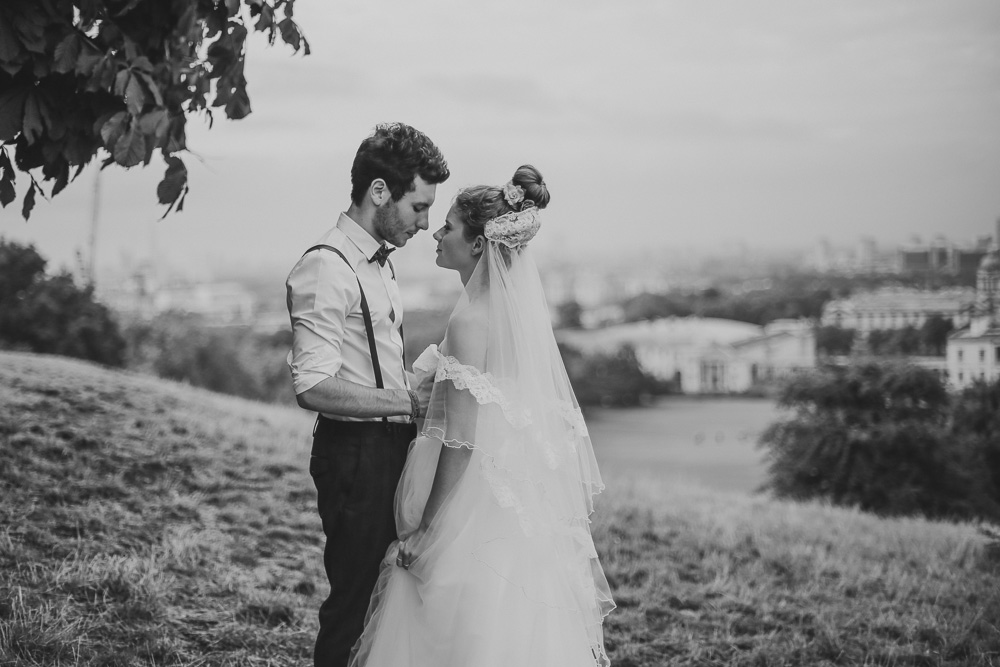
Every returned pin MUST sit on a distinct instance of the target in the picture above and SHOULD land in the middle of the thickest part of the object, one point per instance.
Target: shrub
(833, 340)
(52, 314)
(975, 417)
(230, 360)
(609, 379)
(880, 437)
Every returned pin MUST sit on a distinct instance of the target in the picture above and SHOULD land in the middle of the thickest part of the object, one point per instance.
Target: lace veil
(501, 390)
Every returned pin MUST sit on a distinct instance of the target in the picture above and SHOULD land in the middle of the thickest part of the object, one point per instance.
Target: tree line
(53, 314)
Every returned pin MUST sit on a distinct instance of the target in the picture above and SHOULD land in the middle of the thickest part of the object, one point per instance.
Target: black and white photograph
(655, 333)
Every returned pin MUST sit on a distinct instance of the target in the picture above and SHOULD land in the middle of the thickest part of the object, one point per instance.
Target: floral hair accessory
(514, 229)
(514, 194)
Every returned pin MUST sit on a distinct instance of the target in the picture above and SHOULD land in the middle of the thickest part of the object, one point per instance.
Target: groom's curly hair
(396, 153)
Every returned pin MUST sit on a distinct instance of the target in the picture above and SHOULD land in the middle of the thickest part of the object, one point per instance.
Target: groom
(347, 365)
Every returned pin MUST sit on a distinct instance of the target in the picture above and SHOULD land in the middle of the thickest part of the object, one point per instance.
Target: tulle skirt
(482, 591)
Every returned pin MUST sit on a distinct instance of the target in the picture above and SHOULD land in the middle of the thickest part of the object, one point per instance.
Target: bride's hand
(407, 552)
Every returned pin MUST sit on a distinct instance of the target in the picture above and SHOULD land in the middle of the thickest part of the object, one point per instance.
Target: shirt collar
(364, 241)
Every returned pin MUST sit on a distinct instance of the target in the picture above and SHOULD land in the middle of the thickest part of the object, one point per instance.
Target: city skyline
(657, 125)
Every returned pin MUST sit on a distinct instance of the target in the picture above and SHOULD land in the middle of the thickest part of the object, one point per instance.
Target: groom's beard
(389, 226)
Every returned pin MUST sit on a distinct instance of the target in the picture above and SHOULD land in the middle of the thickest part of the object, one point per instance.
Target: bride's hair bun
(534, 186)
(478, 204)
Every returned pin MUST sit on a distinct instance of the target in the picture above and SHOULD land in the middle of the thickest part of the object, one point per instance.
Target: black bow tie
(381, 254)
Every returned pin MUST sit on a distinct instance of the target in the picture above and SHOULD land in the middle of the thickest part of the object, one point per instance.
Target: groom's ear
(378, 192)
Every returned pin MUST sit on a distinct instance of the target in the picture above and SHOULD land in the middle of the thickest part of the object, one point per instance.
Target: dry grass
(144, 522)
(708, 579)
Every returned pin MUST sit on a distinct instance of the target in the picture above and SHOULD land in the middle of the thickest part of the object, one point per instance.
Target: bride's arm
(451, 464)
(466, 341)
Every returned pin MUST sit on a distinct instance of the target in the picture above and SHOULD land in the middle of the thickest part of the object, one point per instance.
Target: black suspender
(366, 313)
(402, 338)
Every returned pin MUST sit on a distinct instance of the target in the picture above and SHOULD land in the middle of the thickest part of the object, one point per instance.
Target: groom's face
(398, 221)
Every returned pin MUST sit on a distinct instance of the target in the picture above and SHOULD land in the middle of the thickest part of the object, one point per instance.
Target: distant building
(937, 257)
(862, 259)
(895, 308)
(974, 351)
(707, 355)
(220, 302)
(142, 297)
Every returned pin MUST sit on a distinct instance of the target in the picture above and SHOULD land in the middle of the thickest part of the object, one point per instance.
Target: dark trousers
(356, 467)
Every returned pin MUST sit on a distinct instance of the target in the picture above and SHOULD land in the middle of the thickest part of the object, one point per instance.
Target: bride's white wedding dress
(506, 572)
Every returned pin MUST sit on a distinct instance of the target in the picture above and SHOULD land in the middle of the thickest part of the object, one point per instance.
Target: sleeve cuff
(302, 382)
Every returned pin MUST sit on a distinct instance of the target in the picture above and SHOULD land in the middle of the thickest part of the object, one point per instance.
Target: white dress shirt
(328, 329)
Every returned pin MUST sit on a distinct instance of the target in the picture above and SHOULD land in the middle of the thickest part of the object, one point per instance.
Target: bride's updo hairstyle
(481, 203)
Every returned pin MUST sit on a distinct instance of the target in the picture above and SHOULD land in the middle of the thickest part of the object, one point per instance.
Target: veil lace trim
(484, 387)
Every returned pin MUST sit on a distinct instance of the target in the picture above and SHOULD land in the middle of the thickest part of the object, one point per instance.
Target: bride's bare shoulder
(469, 321)
(467, 334)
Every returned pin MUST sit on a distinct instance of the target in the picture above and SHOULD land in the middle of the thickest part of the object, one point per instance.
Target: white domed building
(706, 355)
(974, 351)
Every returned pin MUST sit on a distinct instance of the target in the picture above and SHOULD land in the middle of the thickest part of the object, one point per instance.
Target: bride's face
(453, 250)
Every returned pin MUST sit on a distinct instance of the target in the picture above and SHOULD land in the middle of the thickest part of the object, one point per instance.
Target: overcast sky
(657, 123)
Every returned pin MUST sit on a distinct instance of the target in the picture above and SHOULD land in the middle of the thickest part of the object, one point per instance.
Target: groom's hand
(423, 399)
(423, 384)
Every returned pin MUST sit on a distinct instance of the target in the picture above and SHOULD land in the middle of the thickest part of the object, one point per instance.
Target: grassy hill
(146, 522)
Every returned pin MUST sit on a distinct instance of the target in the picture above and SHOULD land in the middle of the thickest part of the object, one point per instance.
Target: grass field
(144, 522)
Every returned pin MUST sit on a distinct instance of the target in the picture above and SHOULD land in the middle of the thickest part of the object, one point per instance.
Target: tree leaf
(121, 82)
(113, 129)
(266, 18)
(233, 7)
(54, 121)
(66, 54)
(29, 25)
(13, 67)
(141, 64)
(88, 59)
(32, 126)
(7, 177)
(177, 137)
(238, 105)
(152, 88)
(11, 113)
(90, 11)
(155, 123)
(135, 97)
(131, 50)
(180, 203)
(131, 147)
(174, 181)
(104, 74)
(289, 33)
(7, 192)
(40, 67)
(129, 7)
(62, 178)
(10, 47)
(6, 168)
(29, 202)
(28, 156)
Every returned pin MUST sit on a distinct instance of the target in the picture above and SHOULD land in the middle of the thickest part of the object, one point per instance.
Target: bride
(495, 563)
